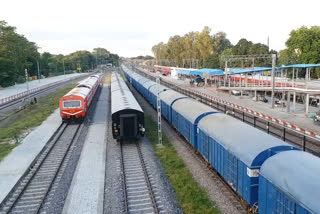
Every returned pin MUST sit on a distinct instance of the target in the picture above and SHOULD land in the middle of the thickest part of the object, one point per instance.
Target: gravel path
(217, 192)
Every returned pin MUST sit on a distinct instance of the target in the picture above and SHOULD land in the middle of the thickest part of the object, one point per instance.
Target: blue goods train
(263, 170)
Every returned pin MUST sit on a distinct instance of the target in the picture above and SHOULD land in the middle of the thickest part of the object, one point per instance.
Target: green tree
(220, 43)
(203, 43)
(17, 50)
(303, 46)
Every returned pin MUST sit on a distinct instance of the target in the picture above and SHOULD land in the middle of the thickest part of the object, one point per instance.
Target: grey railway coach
(127, 115)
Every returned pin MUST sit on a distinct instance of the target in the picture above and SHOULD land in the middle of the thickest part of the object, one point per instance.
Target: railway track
(32, 192)
(139, 191)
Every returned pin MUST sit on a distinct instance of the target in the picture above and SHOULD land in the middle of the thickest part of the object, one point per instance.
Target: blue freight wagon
(167, 99)
(141, 83)
(236, 151)
(186, 114)
(290, 183)
(153, 91)
(146, 87)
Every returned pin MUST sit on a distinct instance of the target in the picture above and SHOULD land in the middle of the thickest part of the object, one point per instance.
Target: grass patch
(30, 117)
(191, 198)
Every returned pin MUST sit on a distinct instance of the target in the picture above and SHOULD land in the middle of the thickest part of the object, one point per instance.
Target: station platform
(297, 118)
(14, 165)
(86, 193)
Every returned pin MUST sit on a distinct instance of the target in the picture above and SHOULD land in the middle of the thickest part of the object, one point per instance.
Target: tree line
(303, 46)
(17, 53)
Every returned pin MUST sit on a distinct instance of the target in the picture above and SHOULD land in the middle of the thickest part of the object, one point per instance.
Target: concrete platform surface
(14, 165)
(86, 194)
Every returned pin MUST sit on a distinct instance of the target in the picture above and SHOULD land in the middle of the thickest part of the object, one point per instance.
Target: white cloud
(131, 28)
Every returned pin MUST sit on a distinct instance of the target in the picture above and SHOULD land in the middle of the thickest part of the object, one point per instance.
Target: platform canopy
(184, 71)
(201, 72)
(299, 66)
(207, 71)
(249, 70)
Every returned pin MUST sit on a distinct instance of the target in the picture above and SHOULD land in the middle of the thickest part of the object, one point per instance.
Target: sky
(130, 28)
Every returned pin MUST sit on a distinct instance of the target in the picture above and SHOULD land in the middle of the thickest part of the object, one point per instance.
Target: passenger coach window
(71, 104)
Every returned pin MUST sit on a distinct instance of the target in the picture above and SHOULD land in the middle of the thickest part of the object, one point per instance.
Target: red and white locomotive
(74, 105)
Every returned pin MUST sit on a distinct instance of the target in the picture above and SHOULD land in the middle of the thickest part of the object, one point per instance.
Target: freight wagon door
(128, 126)
(232, 171)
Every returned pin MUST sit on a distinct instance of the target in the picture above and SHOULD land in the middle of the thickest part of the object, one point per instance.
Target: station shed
(300, 82)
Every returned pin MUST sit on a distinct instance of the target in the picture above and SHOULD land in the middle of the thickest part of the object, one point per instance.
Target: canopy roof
(200, 72)
(299, 66)
(208, 71)
(185, 71)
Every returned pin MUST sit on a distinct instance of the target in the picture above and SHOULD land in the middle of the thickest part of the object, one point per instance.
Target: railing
(25, 93)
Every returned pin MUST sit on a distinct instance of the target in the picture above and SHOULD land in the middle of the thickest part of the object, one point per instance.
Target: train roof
(121, 96)
(148, 84)
(170, 95)
(143, 80)
(297, 174)
(84, 87)
(89, 82)
(250, 145)
(81, 92)
(118, 85)
(191, 109)
(137, 76)
(154, 89)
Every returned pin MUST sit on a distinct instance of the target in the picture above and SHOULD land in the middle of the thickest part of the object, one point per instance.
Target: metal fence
(33, 90)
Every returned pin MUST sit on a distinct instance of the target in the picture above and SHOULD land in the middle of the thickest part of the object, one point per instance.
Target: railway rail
(305, 142)
(139, 191)
(31, 192)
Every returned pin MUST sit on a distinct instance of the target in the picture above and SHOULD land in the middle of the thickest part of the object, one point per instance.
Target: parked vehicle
(236, 93)
(316, 118)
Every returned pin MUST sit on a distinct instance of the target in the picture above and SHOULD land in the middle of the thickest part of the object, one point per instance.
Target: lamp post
(27, 79)
(39, 77)
(64, 69)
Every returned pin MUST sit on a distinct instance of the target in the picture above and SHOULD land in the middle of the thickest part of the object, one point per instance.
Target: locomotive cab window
(72, 104)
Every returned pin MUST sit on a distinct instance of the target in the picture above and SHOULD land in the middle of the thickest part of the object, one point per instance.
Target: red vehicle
(74, 105)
